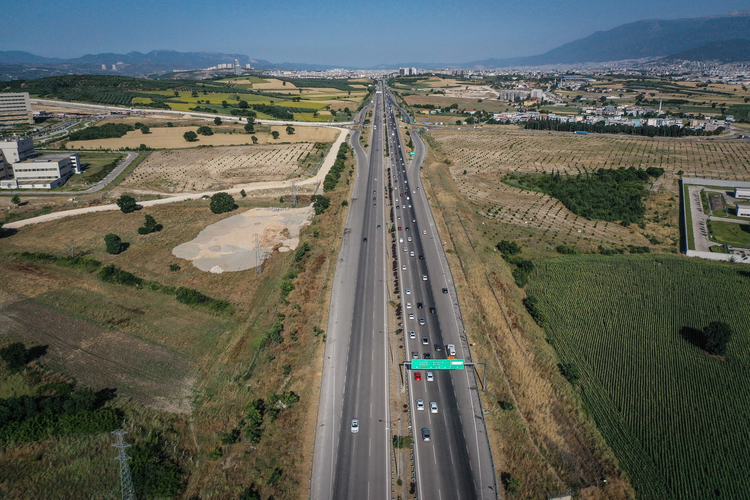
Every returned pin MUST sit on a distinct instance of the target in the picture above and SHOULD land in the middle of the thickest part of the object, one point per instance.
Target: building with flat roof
(742, 192)
(15, 108)
(743, 210)
(43, 172)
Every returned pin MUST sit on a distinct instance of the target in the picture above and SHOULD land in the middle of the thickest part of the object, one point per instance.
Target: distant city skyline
(335, 32)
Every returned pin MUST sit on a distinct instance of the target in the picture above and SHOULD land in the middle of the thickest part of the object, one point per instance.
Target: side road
(258, 186)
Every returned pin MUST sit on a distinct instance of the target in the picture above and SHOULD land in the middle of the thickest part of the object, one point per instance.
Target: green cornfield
(677, 419)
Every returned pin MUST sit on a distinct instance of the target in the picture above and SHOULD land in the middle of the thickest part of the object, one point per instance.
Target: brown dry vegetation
(547, 441)
(205, 169)
(146, 337)
(541, 222)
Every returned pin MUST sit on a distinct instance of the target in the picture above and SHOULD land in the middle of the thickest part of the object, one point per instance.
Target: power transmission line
(126, 482)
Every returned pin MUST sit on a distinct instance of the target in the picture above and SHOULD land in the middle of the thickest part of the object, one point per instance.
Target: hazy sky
(336, 32)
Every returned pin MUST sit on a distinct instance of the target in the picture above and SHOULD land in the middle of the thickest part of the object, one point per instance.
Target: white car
(413, 335)
(408, 291)
(403, 267)
(406, 249)
(420, 404)
(424, 231)
(411, 254)
(408, 305)
(408, 238)
(400, 240)
(433, 407)
(411, 315)
(424, 277)
(430, 376)
(355, 425)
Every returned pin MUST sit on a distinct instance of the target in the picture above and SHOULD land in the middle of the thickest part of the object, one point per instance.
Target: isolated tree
(243, 193)
(289, 130)
(275, 134)
(176, 94)
(16, 200)
(190, 136)
(224, 104)
(15, 355)
(126, 203)
(217, 121)
(716, 337)
(222, 203)
(254, 139)
(243, 105)
(145, 129)
(149, 226)
(205, 130)
(249, 127)
(114, 243)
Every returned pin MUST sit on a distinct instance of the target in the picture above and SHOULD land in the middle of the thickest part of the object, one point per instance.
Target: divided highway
(355, 463)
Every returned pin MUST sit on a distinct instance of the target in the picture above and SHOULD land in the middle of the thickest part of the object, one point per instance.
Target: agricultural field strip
(258, 186)
(202, 168)
(621, 352)
(488, 155)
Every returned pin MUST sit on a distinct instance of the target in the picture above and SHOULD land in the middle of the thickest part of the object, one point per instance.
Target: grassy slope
(676, 418)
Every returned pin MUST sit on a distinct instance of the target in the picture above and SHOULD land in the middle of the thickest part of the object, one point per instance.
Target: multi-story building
(17, 149)
(15, 108)
(44, 172)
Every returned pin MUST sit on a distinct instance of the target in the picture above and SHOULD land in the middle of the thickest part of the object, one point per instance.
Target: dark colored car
(445, 290)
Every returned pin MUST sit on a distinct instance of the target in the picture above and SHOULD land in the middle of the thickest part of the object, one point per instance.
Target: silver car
(355, 425)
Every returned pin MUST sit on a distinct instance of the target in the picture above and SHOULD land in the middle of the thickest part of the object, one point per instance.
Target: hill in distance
(725, 51)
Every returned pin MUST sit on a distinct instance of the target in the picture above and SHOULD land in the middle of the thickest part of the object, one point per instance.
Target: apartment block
(15, 108)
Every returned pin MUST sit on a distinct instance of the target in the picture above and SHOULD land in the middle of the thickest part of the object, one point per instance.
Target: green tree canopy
(222, 203)
(114, 244)
(127, 204)
(205, 130)
(217, 120)
(717, 335)
(275, 134)
(190, 136)
(145, 129)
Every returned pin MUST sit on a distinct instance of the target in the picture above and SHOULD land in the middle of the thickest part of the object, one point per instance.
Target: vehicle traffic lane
(465, 381)
(444, 459)
(363, 459)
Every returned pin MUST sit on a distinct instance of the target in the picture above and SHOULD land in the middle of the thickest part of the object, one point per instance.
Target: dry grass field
(224, 135)
(202, 169)
(480, 158)
(166, 355)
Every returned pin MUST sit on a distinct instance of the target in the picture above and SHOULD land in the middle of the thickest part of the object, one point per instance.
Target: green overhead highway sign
(437, 364)
(411, 154)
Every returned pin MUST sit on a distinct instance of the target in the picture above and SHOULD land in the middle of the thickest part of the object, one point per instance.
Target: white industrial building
(742, 192)
(15, 108)
(43, 172)
(743, 210)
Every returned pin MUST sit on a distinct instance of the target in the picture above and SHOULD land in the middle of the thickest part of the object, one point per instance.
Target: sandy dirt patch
(273, 83)
(61, 109)
(172, 138)
(229, 245)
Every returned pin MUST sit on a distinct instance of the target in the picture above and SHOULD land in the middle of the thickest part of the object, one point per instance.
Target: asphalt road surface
(456, 462)
(348, 465)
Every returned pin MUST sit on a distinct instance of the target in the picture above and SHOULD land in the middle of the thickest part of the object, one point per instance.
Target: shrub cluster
(85, 263)
(106, 131)
(222, 203)
(320, 203)
(332, 178)
(149, 226)
(532, 305)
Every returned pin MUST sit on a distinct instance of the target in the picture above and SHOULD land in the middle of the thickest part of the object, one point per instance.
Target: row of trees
(602, 128)
(332, 178)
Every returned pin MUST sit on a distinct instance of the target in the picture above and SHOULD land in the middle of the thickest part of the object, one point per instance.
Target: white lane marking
(434, 455)
(369, 452)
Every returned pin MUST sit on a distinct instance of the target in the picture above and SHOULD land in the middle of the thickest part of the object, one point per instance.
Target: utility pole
(126, 482)
(258, 261)
(294, 194)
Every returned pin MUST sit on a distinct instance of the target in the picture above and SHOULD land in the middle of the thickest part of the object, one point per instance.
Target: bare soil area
(229, 245)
